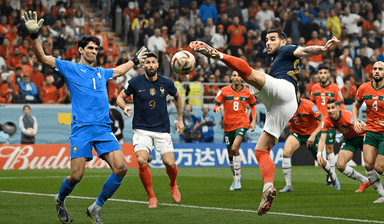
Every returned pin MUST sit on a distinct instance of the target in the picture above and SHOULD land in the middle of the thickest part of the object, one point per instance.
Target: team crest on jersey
(152, 91)
(75, 148)
(162, 91)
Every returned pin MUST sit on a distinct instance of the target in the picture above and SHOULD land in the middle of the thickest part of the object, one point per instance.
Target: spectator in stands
(208, 10)
(361, 52)
(156, 43)
(321, 20)
(251, 24)
(6, 9)
(374, 41)
(237, 37)
(184, 45)
(314, 79)
(13, 58)
(2, 98)
(366, 49)
(17, 77)
(219, 40)
(199, 28)
(368, 25)
(24, 64)
(180, 25)
(63, 95)
(147, 10)
(294, 28)
(25, 45)
(349, 22)
(263, 15)
(190, 132)
(171, 20)
(28, 90)
(79, 19)
(314, 61)
(193, 12)
(4, 26)
(211, 89)
(37, 77)
(309, 27)
(206, 124)
(101, 58)
(233, 10)
(12, 36)
(48, 93)
(111, 49)
(347, 60)
(28, 126)
(333, 24)
(10, 91)
(326, 5)
(109, 63)
(6, 49)
(358, 69)
(349, 91)
(113, 89)
(137, 28)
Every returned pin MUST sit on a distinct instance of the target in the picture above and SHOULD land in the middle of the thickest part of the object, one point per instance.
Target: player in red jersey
(372, 93)
(320, 94)
(236, 121)
(342, 121)
(305, 127)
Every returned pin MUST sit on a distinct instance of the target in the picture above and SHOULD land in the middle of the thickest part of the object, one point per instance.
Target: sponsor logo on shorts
(75, 148)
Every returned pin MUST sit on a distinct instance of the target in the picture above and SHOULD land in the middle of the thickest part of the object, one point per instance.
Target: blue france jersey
(150, 105)
(286, 65)
(88, 88)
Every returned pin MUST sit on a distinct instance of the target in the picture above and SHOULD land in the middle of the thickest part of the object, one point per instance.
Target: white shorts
(145, 140)
(280, 100)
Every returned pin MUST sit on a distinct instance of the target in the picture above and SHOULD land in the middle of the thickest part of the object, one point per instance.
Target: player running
(90, 116)
(277, 91)
(372, 93)
(305, 129)
(236, 121)
(342, 121)
(151, 125)
(320, 94)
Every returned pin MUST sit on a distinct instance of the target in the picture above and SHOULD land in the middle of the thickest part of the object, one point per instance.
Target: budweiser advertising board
(51, 156)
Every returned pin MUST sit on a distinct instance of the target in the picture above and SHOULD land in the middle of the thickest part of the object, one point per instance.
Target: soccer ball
(183, 62)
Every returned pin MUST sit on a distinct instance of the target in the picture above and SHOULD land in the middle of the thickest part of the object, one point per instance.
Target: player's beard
(151, 73)
(378, 79)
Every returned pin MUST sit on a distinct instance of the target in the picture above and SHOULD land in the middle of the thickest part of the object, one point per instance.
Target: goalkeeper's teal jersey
(88, 88)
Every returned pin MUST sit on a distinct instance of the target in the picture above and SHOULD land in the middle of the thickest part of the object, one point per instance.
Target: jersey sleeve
(129, 88)
(339, 96)
(63, 67)
(359, 95)
(108, 74)
(315, 112)
(326, 125)
(251, 99)
(172, 88)
(219, 99)
(312, 96)
(288, 50)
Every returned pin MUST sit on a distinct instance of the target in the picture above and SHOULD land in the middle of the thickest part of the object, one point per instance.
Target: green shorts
(230, 136)
(376, 140)
(303, 141)
(352, 144)
(331, 137)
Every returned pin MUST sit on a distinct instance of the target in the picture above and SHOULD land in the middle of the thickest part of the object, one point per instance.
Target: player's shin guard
(109, 188)
(238, 65)
(352, 173)
(172, 174)
(287, 171)
(267, 167)
(146, 179)
(332, 161)
(237, 165)
(374, 178)
(65, 189)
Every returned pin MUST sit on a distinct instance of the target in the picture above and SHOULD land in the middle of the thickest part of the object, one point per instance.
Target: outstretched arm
(124, 68)
(33, 27)
(315, 50)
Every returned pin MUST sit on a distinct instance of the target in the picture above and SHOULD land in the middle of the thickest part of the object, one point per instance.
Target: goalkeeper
(90, 116)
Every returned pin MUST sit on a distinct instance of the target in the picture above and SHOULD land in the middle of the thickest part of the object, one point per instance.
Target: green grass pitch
(205, 198)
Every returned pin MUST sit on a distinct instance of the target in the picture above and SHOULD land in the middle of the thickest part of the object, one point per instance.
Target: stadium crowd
(167, 26)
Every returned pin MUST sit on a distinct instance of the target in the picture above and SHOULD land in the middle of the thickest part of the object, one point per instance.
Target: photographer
(190, 132)
(206, 123)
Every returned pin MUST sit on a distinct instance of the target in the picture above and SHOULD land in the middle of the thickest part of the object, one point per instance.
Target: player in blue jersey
(277, 91)
(150, 123)
(90, 116)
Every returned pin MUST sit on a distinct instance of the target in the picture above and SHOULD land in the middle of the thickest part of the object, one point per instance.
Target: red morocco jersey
(235, 105)
(306, 119)
(321, 95)
(344, 125)
(374, 100)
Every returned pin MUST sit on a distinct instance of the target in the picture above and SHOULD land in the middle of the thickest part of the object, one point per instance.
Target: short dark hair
(25, 106)
(152, 54)
(323, 66)
(279, 32)
(84, 41)
(332, 101)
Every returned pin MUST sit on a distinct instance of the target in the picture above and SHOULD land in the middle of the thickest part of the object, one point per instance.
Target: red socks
(267, 167)
(146, 179)
(238, 65)
(172, 173)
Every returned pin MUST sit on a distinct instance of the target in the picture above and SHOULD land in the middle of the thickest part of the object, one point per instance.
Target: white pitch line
(203, 207)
